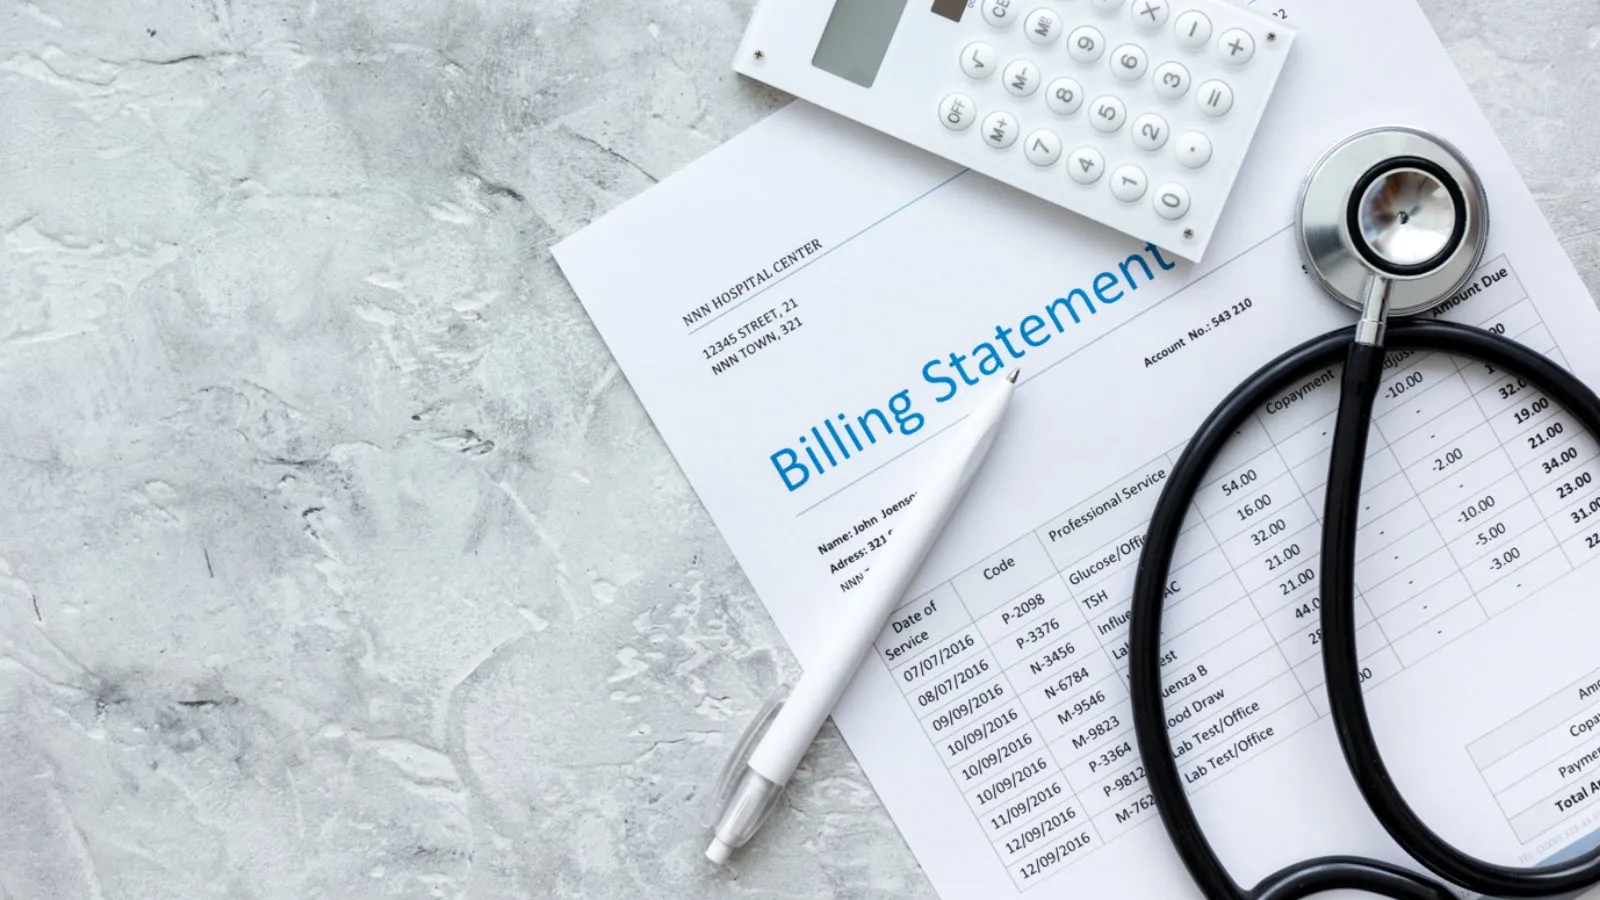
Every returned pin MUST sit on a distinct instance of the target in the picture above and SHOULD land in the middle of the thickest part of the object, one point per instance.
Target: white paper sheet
(812, 273)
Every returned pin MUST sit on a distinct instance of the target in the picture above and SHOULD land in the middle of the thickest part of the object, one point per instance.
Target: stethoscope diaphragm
(1395, 202)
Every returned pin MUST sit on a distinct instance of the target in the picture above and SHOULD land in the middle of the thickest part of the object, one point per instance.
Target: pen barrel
(865, 613)
(851, 639)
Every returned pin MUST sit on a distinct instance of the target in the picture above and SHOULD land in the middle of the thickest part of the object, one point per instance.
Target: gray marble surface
(336, 559)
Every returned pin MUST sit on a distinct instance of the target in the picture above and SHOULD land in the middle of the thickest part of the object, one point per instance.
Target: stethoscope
(1392, 222)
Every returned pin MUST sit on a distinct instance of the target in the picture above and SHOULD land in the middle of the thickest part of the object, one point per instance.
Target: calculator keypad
(1123, 72)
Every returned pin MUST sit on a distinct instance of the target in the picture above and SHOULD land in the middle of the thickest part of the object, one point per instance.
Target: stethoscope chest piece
(1397, 203)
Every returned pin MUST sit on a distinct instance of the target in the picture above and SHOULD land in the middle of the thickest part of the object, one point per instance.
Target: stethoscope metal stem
(1374, 322)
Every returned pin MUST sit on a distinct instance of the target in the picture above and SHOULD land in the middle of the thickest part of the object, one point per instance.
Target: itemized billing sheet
(807, 311)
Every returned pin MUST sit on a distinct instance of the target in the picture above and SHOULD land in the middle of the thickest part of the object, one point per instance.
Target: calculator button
(978, 60)
(1193, 149)
(1193, 28)
(1064, 96)
(1000, 130)
(1128, 183)
(998, 13)
(1128, 62)
(1171, 202)
(1107, 4)
(1236, 46)
(1086, 165)
(1043, 26)
(1022, 78)
(1043, 148)
(1085, 44)
(1150, 132)
(957, 111)
(1171, 80)
(1107, 113)
(1150, 13)
(1215, 98)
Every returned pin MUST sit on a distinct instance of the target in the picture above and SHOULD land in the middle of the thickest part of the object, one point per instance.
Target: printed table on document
(1478, 490)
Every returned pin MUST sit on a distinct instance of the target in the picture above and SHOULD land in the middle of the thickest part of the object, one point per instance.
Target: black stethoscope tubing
(1363, 371)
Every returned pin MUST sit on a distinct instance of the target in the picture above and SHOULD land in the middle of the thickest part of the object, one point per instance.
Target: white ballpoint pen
(747, 795)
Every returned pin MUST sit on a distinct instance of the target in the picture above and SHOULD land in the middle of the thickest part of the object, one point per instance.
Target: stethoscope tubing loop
(1343, 684)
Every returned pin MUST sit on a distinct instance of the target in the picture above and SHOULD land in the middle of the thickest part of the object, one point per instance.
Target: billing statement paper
(809, 309)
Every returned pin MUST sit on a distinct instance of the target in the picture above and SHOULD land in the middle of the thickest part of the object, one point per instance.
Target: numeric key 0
(1172, 202)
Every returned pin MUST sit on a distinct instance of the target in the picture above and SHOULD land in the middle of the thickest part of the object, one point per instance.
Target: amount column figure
(1232, 693)
(1514, 546)
(1023, 613)
(1558, 459)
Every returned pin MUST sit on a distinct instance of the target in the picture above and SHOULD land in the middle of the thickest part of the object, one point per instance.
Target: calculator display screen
(857, 37)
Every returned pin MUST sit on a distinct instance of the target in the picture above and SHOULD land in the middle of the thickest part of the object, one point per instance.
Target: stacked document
(807, 311)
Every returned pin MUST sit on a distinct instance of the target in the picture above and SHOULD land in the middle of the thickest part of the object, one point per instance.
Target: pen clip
(733, 768)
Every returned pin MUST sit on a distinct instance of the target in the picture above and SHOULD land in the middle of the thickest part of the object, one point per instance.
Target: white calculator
(1134, 113)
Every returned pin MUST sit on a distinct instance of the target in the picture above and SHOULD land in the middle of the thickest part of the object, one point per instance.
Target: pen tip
(719, 852)
(1015, 373)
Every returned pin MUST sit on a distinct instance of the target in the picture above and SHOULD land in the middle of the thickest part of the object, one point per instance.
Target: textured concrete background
(336, 560)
